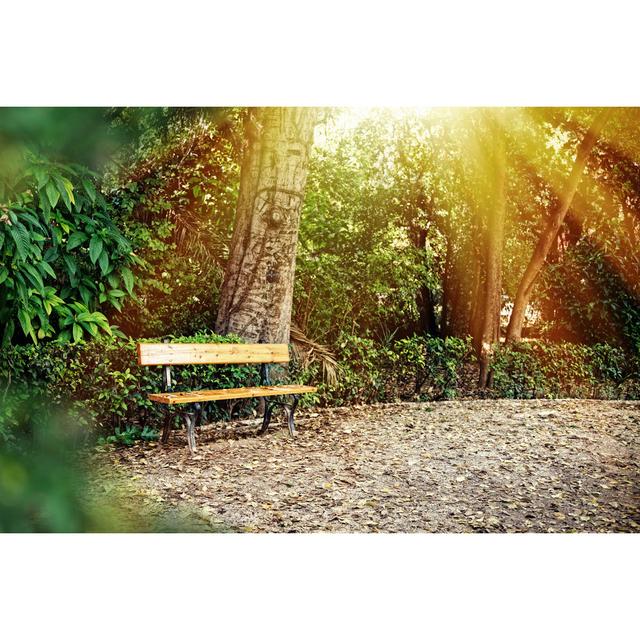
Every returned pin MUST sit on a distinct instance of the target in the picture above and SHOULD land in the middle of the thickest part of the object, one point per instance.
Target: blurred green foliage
(41, 481)
(49, 483)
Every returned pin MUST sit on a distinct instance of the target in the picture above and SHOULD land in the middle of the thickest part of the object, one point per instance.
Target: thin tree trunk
(491, 303)
(445, 318)
(257, 291)
(549, 233)
(427, 322)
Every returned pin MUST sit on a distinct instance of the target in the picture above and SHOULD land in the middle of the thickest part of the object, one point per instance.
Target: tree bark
(550, 231)
(257, 291)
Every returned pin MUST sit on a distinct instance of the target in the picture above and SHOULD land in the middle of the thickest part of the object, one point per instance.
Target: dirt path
(486, 465)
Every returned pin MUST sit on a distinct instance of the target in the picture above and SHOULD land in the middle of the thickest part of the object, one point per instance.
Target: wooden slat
(209, 395)
(150, 353)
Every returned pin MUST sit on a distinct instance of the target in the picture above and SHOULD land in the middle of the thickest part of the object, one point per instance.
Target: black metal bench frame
(193, 418)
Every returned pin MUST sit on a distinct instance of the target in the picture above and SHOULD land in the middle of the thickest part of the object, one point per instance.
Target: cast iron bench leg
(193, 420)
(268, 410)
(190, 420)
(292, 408)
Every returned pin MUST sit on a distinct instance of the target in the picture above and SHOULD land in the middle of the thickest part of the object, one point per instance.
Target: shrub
(537, 369)
(434, 363)
(412, 368)
(61, 256)
(426, 368)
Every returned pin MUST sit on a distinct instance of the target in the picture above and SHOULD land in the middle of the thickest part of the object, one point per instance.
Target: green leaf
(117, 293)
(34, 277)
(46, 267)
(77, 332)
(127, 278)
(85, 294)
(21, 286)
(25, 321)
(72, 267)
(76, 239)
(90, 328)
(4, 272)
(89, 188)
(63, 190)
(95, 248)
(103, 261)
(41, 176)
(100, 319)
(32, 220)
(8, 333)
(69, 189)
(52, 194)
(21, 239)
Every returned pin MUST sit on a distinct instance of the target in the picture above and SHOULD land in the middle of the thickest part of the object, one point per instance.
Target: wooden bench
(168, 354)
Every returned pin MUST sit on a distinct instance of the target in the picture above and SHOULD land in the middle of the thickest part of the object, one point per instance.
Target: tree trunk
(490, 303)
(257, 291)
(427, 323)
(445, 318)
(549, 233)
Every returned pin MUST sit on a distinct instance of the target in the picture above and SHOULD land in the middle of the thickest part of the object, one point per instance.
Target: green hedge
(416, 368)
(538, 369)
(105, 391)
(422, 368)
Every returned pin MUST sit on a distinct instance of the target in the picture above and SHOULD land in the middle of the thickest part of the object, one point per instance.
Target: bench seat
(208, 395)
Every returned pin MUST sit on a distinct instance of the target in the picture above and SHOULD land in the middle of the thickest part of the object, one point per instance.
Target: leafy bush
(424, 368)
(432, 362)
(417, 367)
(61, 256)
(538, 369)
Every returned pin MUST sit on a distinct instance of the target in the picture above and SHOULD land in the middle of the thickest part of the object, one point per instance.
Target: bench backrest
(167, 353)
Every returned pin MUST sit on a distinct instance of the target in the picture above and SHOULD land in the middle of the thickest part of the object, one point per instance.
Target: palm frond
(309, 351)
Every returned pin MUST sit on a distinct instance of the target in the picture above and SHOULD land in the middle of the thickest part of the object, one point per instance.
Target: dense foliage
(174, 197)
(62, 258)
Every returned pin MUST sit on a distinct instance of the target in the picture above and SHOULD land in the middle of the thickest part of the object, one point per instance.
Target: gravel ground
(462, 466)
